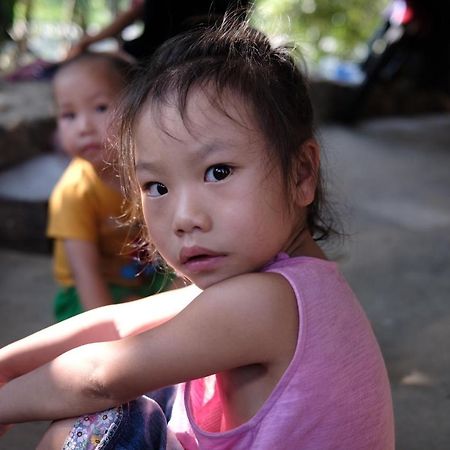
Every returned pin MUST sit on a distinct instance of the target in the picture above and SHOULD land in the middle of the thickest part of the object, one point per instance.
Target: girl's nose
(191, 214)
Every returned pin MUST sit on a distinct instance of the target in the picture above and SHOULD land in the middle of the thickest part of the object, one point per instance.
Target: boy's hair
(119, 64)
(230, 57)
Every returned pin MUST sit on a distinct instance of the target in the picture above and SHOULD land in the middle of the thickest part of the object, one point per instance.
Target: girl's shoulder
(258, 303)
(254, 291)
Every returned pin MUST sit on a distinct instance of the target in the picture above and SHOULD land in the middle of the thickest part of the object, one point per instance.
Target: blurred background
(46, 28)
(380, 81)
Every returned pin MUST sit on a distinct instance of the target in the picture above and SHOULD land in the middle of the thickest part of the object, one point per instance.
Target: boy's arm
(102, 324)
(84, 260)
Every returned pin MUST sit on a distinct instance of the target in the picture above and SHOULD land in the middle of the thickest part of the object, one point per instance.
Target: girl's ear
(307, 172)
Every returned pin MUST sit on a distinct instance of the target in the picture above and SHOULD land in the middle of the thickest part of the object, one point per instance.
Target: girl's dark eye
(217, 173)
(155, 189)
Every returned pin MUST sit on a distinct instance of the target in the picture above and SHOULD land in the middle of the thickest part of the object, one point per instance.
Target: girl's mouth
(198, 259)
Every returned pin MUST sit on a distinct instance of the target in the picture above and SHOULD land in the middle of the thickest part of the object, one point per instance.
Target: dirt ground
(391, 181)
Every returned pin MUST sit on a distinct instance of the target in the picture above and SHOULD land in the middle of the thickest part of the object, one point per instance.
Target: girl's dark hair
(228, 57)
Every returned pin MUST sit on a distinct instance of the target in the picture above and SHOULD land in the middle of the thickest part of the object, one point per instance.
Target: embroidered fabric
(93, 431)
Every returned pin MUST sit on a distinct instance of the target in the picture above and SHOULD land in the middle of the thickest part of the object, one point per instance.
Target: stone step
(27, 120)
(24, 192)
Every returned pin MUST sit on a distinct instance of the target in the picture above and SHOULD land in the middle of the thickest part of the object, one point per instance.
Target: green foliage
(321, 27)
(57, 11)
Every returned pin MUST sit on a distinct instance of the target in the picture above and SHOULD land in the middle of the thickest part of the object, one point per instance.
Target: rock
(28, 168)
(27, 120)
(24, 192)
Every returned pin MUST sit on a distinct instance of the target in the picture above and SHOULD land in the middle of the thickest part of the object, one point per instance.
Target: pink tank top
(335, 394)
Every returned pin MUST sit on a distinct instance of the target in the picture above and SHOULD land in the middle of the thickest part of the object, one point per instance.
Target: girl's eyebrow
(145, 166)
(208, 150)
(200, 154)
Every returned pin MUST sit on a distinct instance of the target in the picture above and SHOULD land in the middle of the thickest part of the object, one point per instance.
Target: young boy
(93, 260)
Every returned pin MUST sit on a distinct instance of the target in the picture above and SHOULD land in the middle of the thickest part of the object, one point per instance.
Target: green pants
(67, 302)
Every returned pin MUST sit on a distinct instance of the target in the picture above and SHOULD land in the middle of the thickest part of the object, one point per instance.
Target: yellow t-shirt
(83, 207)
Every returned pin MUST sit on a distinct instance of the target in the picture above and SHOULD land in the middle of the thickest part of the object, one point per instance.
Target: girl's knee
(56, 435)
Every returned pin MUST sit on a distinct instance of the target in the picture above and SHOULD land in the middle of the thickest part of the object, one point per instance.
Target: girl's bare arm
(225, 327)
(102, 324)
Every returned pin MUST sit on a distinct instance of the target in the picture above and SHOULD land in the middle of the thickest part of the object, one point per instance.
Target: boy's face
(85, 93)
(213, 205)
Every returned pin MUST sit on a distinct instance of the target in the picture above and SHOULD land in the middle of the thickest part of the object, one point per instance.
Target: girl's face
(213, 205)
(85, 94)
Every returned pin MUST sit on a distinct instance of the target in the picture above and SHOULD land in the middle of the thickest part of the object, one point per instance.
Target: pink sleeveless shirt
(335, 394)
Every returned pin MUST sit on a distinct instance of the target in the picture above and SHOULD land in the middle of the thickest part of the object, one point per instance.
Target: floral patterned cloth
(93, 431)
(140, 425)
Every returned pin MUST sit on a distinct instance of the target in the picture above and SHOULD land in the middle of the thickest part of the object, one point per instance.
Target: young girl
(93, 264)
(275, 351)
